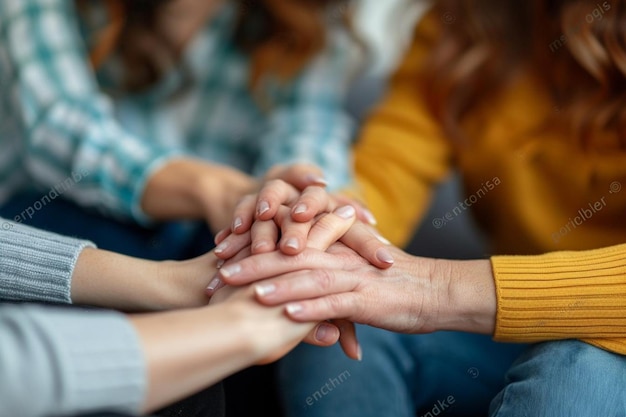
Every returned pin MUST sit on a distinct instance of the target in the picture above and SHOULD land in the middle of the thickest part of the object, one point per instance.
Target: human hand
(286, 333)
(294, 224)
(326, 231)
(187, 188)
(340, 284)
(304, 204)
(417, 295)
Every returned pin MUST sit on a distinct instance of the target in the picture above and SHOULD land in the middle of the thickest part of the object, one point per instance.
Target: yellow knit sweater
(533, 191)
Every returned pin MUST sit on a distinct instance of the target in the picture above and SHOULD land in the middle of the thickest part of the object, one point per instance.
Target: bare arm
(111, 280)
(188, 350)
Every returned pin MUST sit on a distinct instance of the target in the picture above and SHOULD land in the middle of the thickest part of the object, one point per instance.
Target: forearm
(192, 189)
(120, 282)
(192, 349)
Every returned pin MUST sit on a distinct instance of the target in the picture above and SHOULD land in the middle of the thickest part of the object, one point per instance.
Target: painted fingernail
(237, 223)
(263, 208)
(384, 256)
(316, 179)
(221, 247)
(215, 282)
(292, 243)
(300, 208)
(293, 309)
(265, 289)
(346, 212)
(220, 263)
(359, 353)
(230, 270)
(370, 217)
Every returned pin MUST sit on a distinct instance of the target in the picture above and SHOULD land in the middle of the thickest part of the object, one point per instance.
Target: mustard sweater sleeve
(563, 295)
(401, 153)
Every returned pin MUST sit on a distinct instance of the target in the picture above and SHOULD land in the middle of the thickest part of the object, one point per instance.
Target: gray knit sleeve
(68, 361)
(36, 265)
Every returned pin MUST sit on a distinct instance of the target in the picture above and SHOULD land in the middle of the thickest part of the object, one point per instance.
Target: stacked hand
(303, 251)
(285, 218)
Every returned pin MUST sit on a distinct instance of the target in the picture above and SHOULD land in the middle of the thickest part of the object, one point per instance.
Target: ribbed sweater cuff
(561, 295)
(36, 265)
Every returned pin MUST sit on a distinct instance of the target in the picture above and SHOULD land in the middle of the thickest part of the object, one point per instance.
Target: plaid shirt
(56, 122)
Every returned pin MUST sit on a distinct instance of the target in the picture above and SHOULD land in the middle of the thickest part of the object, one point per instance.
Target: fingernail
(230, 270)
(292, 243)
(316, 179)
(382, 239)
(322, 331)
(346, 212)
(237, 223)
(384, 256)
(221, 247)
(215, 282)
(359, 353)
(220, 263)
(263, 207)
(265, 289)
(293, 309)
(299, 209)
(370, 217)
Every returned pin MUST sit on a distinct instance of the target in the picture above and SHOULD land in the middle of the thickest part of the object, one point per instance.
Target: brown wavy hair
(281, 36)
(575, 48)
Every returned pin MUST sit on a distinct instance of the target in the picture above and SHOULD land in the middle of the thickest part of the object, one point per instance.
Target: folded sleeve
(563, 295)
(59, 362)
(36, 265)
(69, 127)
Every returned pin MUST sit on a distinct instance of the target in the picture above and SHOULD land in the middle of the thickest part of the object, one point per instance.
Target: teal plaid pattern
(59, 117)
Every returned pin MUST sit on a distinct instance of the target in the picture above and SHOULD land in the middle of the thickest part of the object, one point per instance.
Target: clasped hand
(315, 255)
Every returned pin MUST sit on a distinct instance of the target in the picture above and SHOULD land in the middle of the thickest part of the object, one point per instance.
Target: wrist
(468, 295)
(171, 192)
(182, 284)
(194, 189)
(216, 190)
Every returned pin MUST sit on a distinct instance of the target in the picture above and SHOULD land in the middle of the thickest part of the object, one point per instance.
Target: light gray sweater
(59, 361)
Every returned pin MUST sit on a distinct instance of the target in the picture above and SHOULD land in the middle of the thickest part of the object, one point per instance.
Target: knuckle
(326, 224)
(324, 279)
(334, 304)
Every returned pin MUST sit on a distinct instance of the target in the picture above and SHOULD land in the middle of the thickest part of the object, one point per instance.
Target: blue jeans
(451, 374)
(566, 378)
(175, 240)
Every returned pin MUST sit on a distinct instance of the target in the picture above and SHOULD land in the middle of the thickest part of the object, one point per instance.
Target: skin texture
(197, 345)
(353, 280)
(416, 295)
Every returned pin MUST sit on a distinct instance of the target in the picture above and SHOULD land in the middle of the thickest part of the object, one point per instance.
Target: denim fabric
(446, 373)
(176, 240)
(453, 374)
(564, 379)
